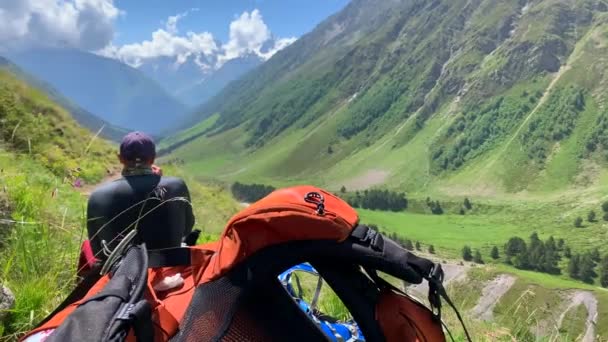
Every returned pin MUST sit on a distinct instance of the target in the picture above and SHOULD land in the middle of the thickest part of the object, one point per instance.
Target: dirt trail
(490, 296)
(87, 189)
(588, 299)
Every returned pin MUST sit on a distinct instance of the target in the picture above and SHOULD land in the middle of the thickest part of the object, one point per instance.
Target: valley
(472, 132)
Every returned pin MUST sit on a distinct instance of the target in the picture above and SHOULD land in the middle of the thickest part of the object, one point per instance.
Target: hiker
(143, 199)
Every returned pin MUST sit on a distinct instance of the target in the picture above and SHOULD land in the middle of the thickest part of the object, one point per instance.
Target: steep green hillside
(446, 96)
(31, 124)
(83, 117)
(42, 151)
(116, 92)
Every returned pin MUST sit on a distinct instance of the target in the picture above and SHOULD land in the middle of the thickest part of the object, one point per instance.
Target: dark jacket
(114, 208)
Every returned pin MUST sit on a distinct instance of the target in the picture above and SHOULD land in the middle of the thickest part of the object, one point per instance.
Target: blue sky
(284, 18)
(206, 32)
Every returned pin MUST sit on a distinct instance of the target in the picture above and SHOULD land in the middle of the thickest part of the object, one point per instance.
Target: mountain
(175, 77)
(83, 117)
(114, 91)
(194, 81)
(215, 81)
(497, 96)
(34, 125)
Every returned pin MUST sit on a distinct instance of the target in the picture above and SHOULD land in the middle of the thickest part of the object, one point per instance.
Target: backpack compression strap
(113, 312)
(432, 273)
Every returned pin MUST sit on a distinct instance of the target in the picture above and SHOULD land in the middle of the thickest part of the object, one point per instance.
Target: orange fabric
(168, 307)
(404, 320)
(282, 216)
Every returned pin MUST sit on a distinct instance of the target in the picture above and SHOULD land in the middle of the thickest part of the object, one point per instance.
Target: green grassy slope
(41, 148)
(83, 117)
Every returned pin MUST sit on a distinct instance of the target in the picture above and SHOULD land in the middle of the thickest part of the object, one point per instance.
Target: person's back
(157, 206)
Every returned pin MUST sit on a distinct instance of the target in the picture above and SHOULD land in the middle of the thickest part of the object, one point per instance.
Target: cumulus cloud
(83, 24)
(248, 35)
(89, 25)
(166, 42)
(163, 44)
(279, 45)
(171, 24)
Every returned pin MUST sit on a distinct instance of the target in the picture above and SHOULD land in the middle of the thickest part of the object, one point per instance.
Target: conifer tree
(604, 272)
(591, 216)
(467, 203)
(595, 255)
(494, 254)
(467, 255)
(408, 245)
(477, 258)
(573, 266)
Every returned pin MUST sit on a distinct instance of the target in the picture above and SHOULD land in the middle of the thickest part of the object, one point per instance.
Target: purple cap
(137, 147)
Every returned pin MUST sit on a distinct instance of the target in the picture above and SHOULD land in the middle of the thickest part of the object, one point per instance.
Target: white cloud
(83, 24)
(278, 46)
(89, 25)
(171, 23)
(165, 42)
(248, 35)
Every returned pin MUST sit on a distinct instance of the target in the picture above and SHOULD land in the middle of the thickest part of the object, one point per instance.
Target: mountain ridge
(480, 67)
(114, 91)
(83, 117)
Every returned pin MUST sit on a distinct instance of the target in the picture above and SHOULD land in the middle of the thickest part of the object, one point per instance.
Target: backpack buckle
(317, 199)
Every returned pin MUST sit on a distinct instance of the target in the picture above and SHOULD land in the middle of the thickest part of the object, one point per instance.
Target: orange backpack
(228, 290)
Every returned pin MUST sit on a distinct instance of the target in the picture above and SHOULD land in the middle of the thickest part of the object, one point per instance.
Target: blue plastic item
(338, 331)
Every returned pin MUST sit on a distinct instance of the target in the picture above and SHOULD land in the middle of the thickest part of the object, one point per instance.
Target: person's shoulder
(172, 180)
(174, 183)
(106, 188)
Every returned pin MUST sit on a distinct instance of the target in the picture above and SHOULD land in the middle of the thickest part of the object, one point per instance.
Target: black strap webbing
(442, 292)
(365, 234)
(171, 257)
(435, 286)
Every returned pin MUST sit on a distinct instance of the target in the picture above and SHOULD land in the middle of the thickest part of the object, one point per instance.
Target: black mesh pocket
(210, 312)
(238, 308)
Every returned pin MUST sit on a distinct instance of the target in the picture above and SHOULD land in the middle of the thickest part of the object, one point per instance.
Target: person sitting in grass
(158, 207)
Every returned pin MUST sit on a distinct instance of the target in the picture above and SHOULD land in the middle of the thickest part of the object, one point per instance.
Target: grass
(574, 322)
(40, 254)
(189, 133)
(526, 307)
(213, 204)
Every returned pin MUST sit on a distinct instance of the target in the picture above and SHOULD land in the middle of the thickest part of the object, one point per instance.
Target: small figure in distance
(144, 199)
